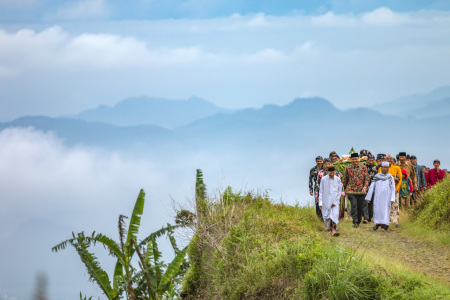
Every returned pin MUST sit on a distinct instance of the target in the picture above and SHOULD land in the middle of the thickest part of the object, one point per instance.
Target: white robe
(330, 193)
(384, 195)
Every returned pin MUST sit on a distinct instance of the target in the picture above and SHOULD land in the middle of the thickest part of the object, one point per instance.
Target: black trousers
(369, 209)
(318, 211)
(358, 207)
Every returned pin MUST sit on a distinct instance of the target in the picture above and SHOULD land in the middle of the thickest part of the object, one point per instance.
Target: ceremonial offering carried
(345, 161)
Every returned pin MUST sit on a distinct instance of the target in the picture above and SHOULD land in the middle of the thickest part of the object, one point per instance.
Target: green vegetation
(153, 280)
(246, 247)
(434, 208)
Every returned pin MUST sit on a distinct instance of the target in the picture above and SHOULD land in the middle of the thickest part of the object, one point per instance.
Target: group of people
(376, 188)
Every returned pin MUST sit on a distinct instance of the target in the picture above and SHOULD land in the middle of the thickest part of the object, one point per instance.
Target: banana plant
(153, 281)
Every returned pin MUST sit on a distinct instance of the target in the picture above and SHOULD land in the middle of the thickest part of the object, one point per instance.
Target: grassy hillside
(247, 247)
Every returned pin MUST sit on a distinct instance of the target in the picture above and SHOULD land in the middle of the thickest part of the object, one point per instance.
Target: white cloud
(80, 10)
(330, 19)
(247, 54)
(385, 16)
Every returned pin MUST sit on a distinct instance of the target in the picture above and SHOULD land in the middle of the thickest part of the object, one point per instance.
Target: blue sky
(25, 11)
(61, 57)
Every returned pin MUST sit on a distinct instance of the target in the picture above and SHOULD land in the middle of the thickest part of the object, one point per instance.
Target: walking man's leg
(354, 207)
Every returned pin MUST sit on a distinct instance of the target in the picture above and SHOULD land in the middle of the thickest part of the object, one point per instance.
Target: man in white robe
(329, 197)
(383, 188)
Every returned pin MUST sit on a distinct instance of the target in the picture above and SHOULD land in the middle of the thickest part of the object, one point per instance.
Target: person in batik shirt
(313, 181)
(356, 182)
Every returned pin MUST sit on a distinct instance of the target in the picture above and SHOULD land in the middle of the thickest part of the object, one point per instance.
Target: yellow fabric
(395, 170)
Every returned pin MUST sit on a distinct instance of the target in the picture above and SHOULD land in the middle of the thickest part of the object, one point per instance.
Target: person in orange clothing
(396, 172)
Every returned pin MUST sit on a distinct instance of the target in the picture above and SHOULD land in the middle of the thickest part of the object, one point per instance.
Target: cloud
(385, 16)
(259, 58)
(330, 19)
(80, 10)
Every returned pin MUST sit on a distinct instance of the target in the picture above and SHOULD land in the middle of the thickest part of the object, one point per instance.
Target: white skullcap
(385, 164)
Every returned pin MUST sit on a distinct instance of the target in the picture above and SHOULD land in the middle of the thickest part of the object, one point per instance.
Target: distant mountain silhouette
(152, 111)
(434, 109)
(412, 105)
(75, 132)
(303, 123)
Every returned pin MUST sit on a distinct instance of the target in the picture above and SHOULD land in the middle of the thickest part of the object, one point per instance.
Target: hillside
(247, 247)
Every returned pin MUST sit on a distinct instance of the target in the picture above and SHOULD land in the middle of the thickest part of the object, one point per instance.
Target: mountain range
(297, 124)
(151, 111)
(433, 104)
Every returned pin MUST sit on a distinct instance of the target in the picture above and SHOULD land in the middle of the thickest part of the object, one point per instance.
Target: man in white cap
(329, 197)
(383, 188)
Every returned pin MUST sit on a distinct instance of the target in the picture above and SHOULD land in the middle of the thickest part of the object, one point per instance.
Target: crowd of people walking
(376, 187)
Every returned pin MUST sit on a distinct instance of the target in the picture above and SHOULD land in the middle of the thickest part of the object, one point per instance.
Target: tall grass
(433, 209)
(246, 247)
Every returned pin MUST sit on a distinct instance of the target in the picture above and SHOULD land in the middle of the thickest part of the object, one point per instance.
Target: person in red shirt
(435, 175)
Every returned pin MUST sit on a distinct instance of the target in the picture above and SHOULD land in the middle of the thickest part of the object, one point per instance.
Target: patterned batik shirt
(356, 178)
(313, 178)
(320, 175)
(372, 170)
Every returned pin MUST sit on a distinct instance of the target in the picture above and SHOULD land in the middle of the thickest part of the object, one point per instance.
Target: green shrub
(338, 274)
(434, 208)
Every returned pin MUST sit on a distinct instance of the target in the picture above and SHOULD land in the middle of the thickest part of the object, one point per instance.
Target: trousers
(358, 207)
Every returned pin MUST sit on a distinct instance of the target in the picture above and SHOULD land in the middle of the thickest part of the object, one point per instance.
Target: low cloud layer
(236, 61)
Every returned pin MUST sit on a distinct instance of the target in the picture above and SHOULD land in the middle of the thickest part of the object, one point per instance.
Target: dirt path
(396, 247)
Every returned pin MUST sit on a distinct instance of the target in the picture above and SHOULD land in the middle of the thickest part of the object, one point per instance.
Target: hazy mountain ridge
(151, 111)
(292, 125)
(413, 105)
(75, 132)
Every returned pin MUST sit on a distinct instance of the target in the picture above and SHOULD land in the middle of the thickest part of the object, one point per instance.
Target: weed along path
(399, 249)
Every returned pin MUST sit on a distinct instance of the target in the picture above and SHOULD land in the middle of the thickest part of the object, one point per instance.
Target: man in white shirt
(329, 197)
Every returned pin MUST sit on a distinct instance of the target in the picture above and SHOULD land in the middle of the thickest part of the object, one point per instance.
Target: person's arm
(366, 179)
(393, 189)
(414, 177)
(345, 182)
(424, 180)
(311, 175)
(317, 186)
(399, 183)
(320, 195)
(337, 200)
(411, 188)
(370, 192)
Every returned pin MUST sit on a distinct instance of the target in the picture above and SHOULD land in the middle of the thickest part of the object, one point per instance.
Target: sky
(62, 57)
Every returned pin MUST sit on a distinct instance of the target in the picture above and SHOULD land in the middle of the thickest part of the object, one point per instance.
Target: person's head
(390, 159)
(331, 171)
(332, 153)
(371, 160)
(355, 158)
(404, 174)
(402, 157)
(335, 158)
(319, 161)
(436, 164)
(408, 157)
(384, 167)
(380, 159)
(326, 163)
(424, 168)
(413, 160)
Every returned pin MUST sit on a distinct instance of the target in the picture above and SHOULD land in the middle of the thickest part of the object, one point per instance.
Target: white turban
(385, 164)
